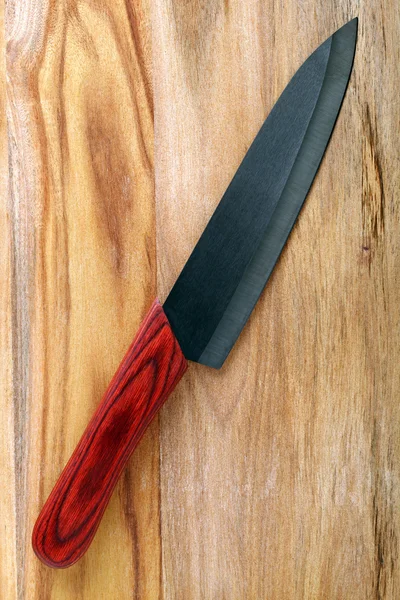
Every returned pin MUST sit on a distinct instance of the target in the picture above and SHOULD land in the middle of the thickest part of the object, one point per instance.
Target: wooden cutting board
(277, 477)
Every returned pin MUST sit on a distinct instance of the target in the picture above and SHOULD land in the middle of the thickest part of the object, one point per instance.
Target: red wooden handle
(149, 372)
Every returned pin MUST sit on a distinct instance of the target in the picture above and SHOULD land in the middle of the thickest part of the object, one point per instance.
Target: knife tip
(349, 29)
(353, 22)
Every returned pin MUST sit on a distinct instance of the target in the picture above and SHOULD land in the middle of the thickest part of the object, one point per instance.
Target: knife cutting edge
(212, 298)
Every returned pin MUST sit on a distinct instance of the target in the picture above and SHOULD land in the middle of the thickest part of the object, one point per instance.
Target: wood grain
(280, 473)
(8, 549)
(81, 188)
(147, 375)
(277, 477)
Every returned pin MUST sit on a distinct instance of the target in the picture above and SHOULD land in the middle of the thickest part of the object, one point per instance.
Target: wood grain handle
(147, 375)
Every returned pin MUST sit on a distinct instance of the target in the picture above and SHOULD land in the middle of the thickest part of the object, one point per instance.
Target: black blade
(232, 261)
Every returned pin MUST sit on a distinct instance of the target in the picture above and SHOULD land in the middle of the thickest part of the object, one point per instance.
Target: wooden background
(278, 477)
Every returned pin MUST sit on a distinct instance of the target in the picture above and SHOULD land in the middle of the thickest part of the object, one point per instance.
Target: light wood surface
(81, 193)
(8, 550)
(278, 477)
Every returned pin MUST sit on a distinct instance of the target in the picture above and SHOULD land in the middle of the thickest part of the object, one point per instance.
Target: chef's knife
(211, 299)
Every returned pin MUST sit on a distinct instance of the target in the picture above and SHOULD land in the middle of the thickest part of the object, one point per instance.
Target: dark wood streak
(133, 19)
(110, 169)
(130, 517)
(149, 372)
(146, 151)
(112, 166)
(383, 512)
(87, 39)
(373, 194)
(63, 233)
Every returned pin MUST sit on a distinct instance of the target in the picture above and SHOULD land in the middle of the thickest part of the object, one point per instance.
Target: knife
(211, 299)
